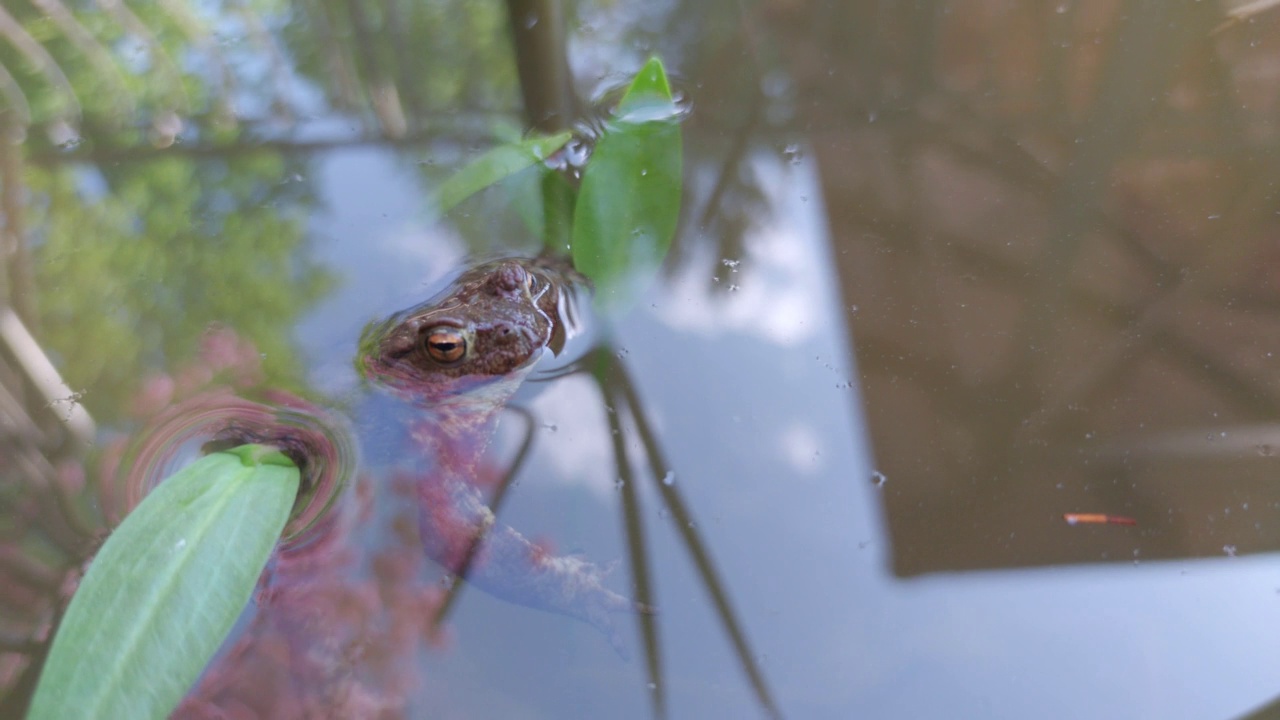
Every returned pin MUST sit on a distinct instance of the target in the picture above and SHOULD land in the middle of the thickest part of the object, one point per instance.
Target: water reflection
(1032, 288)
(1045, 229)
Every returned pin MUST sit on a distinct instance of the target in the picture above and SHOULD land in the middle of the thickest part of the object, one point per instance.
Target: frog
(458, 358)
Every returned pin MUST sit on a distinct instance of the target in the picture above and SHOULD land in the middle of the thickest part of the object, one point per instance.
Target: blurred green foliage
(131, 274)
(421, 60)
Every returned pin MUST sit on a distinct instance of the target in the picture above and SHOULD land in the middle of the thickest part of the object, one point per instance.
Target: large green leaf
(629, 201)
(496, 164)
(166, 588)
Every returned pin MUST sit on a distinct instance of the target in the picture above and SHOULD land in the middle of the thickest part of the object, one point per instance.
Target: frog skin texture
(460, 357)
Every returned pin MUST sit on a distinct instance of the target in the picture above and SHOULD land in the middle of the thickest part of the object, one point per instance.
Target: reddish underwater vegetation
(334, 629)
(325, 642)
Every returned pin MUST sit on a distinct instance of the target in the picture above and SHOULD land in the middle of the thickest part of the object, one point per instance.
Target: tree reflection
(110, 306)
(1051, 219)
(405, 67)
(132, 261)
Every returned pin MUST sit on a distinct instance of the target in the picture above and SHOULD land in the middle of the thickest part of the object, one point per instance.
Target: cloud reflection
(768, 293)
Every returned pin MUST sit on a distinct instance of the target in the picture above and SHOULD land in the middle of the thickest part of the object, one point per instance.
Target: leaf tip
(649, 83)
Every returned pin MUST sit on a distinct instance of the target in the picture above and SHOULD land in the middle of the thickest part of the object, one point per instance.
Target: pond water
(945, 273)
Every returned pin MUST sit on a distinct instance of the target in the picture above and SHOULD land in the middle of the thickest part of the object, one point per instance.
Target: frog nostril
(507, 278)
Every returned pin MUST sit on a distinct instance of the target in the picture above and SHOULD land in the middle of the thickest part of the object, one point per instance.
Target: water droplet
(619, 484)
(653, 686)
(878, 478)
(731, 264)
(1230, 550)
(733, 288)
(669, 478)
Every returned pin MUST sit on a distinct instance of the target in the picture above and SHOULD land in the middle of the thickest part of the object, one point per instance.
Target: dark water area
(945, 273)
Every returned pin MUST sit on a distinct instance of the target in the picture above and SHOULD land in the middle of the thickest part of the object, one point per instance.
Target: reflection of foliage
(133, 261)
(409, 69)
(393, 58)
(111, 66)
(134, 278)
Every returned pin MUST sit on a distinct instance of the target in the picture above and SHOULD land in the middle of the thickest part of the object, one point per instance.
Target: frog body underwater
(460, 357)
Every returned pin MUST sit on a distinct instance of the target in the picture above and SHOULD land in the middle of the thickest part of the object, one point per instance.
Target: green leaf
(494, 165)
(629, 201)
(166, 588)
(649, 96)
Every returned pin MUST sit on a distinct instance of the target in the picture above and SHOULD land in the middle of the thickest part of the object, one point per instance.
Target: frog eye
(445, 345)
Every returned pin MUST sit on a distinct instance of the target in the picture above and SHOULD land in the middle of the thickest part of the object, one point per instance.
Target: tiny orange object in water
(1097, 519)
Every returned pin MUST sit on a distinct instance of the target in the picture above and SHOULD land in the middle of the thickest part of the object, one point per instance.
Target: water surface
(943, 274)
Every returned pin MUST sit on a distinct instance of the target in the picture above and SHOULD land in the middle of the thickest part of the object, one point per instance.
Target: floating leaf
(166, 588)
(496, 164)
(629, 201)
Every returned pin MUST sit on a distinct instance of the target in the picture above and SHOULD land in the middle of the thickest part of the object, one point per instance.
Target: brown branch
(605, 376)
(682, 519)
(13, 247)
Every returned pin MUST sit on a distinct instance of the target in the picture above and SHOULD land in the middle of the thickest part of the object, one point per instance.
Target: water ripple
(319, 442)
